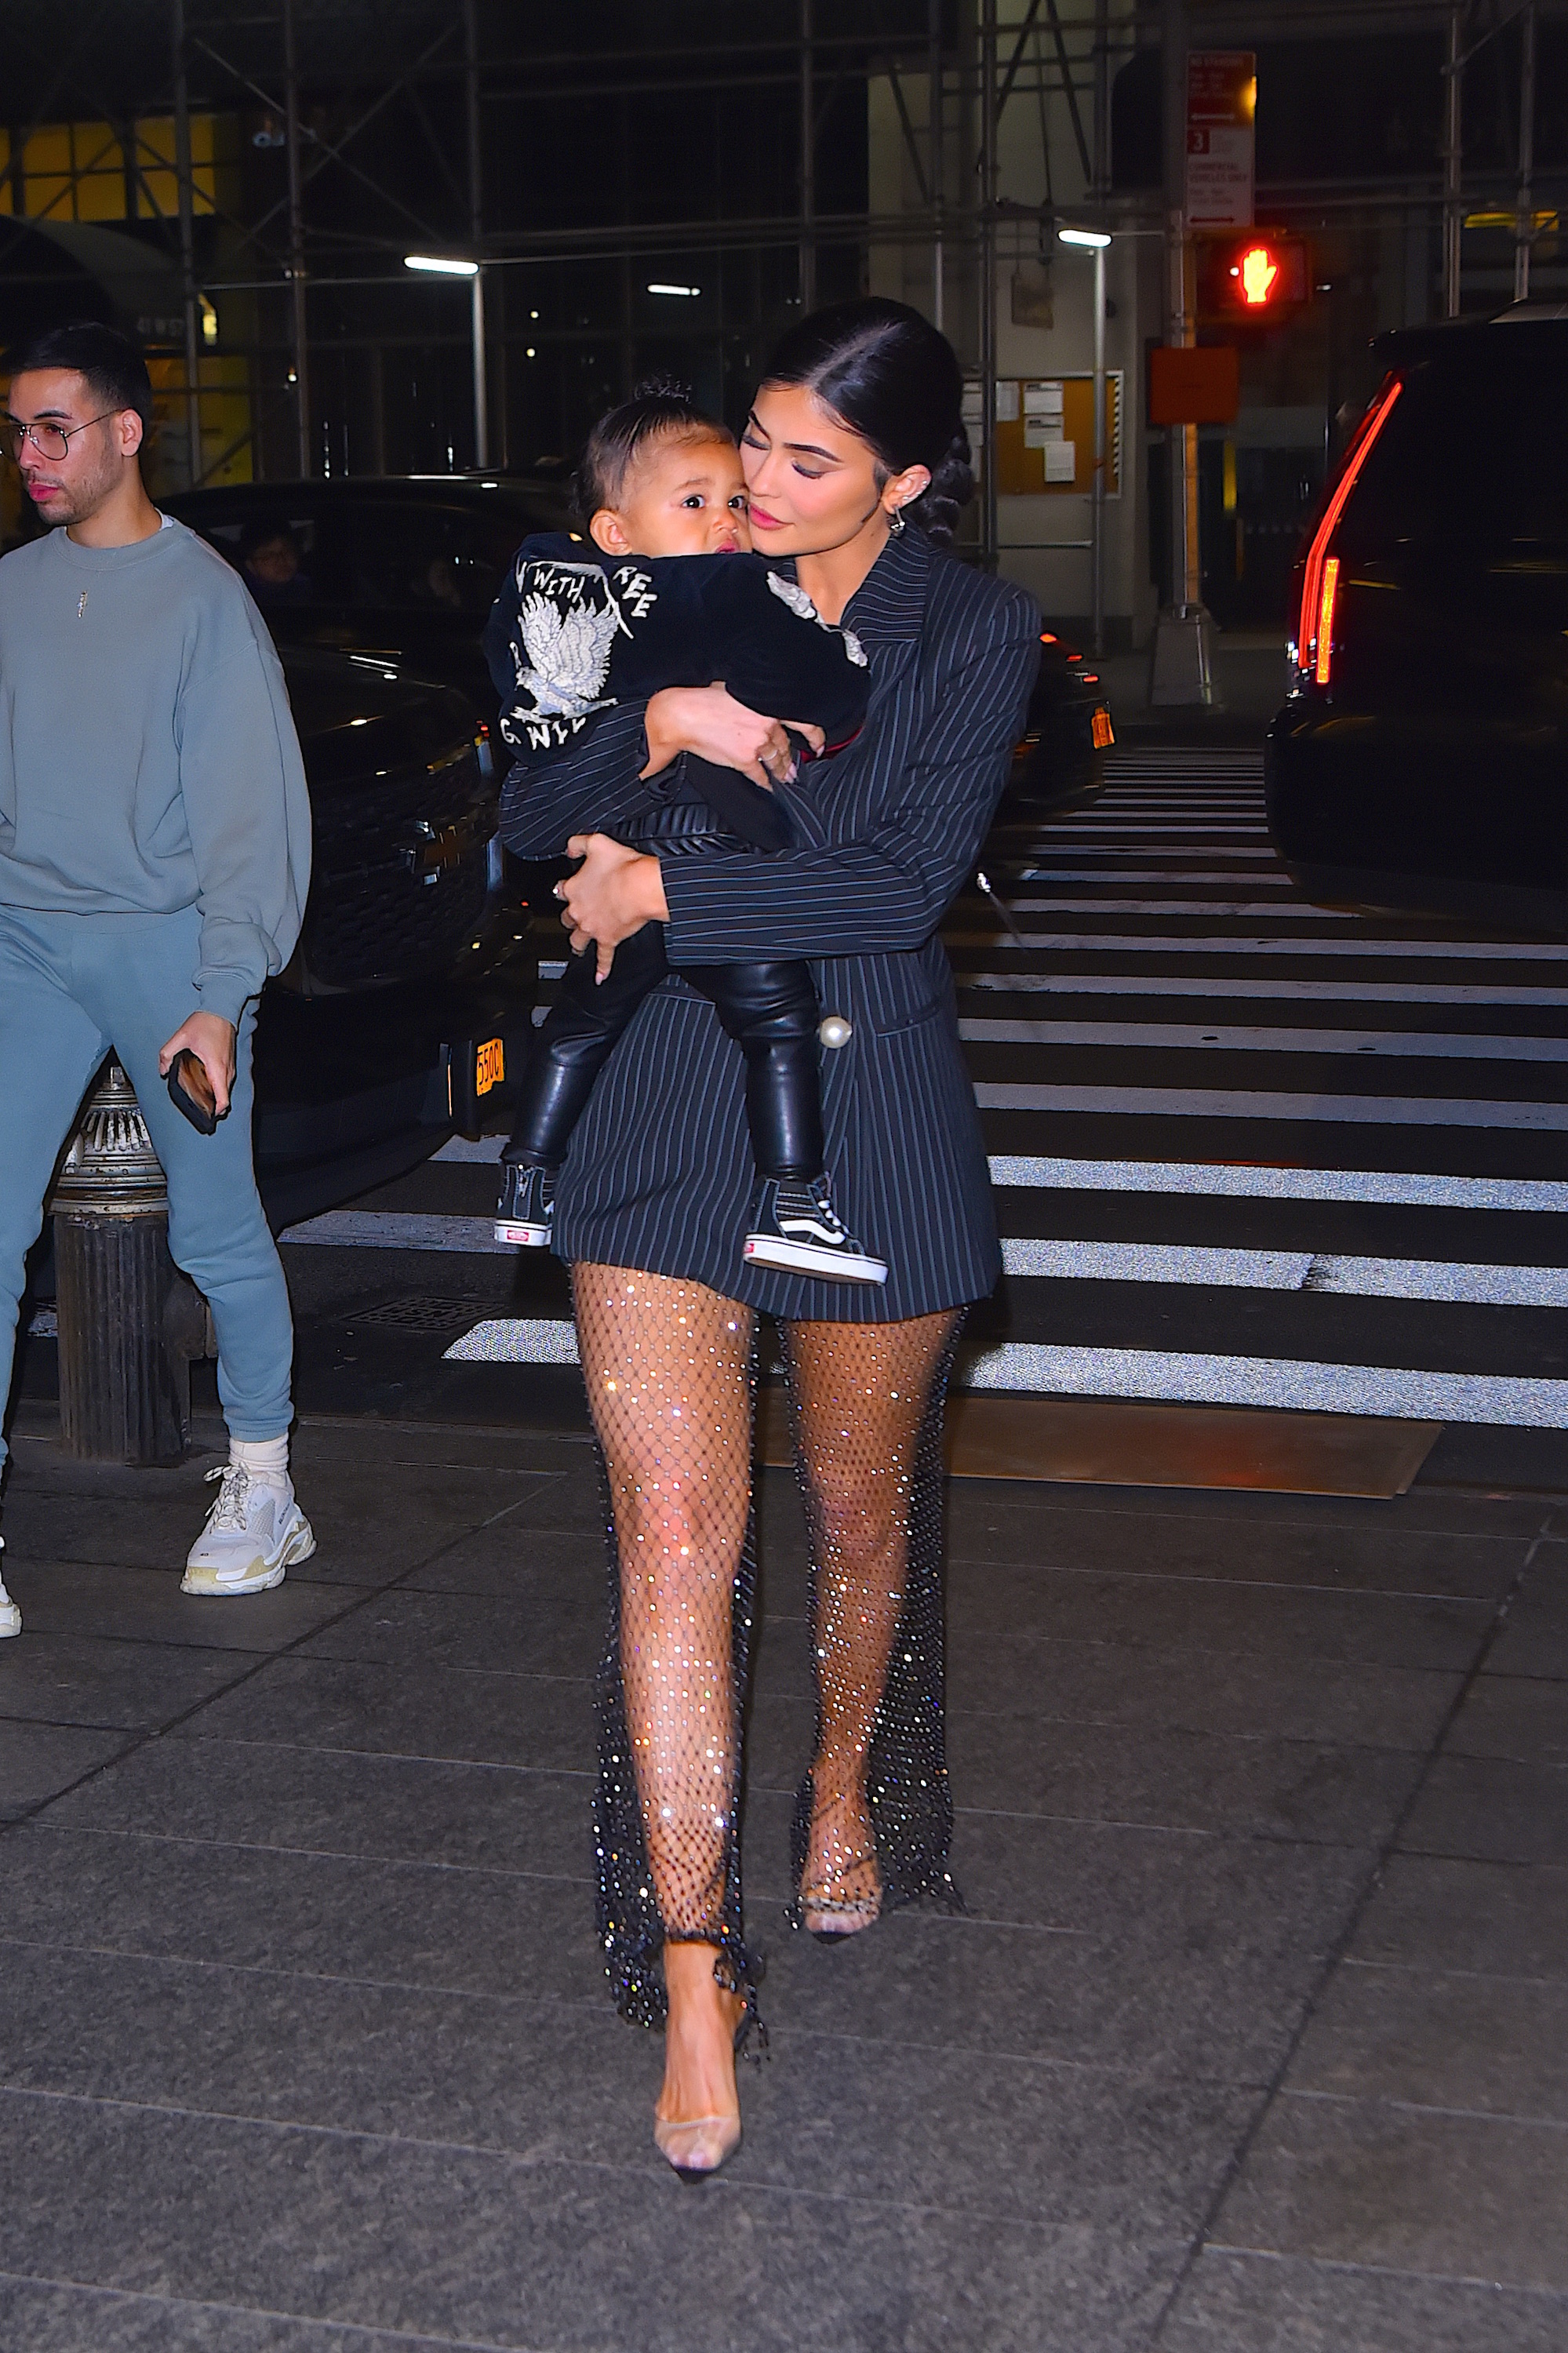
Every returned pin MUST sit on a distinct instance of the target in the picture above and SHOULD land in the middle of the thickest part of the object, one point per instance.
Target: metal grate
(426, 1311)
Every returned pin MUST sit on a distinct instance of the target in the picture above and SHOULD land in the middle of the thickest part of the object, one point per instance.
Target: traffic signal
(1259, 277)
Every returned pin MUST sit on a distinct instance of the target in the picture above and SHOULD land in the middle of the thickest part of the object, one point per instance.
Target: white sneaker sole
(526, 1237)
(299, 1545)
(812, 1258)
(10, 1620)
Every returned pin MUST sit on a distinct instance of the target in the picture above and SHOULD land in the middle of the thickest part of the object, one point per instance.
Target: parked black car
(1060, 760)
(1421, 759)
(409, 567)
(405, 1012)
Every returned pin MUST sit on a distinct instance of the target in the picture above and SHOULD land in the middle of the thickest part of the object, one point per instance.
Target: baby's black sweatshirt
(575, 631)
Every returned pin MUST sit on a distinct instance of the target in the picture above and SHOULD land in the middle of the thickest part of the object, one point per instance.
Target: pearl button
(834, 1030)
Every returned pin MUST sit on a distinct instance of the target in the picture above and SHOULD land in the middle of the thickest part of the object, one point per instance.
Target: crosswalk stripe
(1207, 1103)
(1299, 1386)
(1166, 905)
(1244, 1269)
(1182, 1036)
(1078, 1262)
(1387, 1187)
(1220, 943)
(399, 1230)
(1381, 991)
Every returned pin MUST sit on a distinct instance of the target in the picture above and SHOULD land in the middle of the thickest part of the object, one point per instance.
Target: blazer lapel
(891, 600)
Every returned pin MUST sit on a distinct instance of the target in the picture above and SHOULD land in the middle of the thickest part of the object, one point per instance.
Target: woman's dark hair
(897, 382)
(658, 407)
(109, 362)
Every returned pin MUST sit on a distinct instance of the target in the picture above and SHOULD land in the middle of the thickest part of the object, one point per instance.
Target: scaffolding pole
(808, 164)
(1453, 128)
(1524, 207)
(476, 234)
(934, 109)
(187, 248)
(985, 289)
(298, 320)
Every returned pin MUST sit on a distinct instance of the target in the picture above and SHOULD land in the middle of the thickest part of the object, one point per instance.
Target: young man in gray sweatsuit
(154, 856)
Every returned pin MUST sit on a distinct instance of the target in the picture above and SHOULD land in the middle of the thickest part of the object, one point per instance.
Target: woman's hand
(613, 893)
(709, 721)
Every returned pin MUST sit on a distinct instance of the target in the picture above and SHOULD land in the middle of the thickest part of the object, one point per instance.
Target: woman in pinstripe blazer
(854, 444)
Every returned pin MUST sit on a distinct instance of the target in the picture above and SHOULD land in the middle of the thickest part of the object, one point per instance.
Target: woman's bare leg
(668, 1367)
(862, 1395)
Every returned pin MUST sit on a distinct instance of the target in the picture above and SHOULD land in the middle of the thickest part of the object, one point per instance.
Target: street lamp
(1095, 240)
(438, 265)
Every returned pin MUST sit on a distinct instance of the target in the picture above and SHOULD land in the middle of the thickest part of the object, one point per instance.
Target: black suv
(409, 567)
(404, 1011)
(1421, 759)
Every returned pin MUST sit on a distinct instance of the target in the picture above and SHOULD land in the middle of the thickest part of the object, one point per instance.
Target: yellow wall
(76, 170)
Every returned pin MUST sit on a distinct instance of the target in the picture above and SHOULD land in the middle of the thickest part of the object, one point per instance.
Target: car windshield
(401, 558)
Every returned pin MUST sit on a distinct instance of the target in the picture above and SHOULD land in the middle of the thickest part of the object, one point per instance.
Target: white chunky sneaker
(10, 1616)
(254, 1534)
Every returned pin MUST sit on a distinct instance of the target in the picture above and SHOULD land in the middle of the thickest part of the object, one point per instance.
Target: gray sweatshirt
(148, 757)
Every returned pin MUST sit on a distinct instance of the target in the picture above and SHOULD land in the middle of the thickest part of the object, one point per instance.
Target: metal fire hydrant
(130, 1323)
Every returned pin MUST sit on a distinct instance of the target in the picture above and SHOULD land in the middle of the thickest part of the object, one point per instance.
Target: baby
(667, 595)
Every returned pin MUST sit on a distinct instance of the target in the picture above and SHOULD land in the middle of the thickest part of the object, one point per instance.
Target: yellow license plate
(488, 1066)
(1100, 731)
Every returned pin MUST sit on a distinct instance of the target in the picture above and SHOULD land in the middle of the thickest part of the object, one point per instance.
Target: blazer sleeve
(590, 787)
(890, 890)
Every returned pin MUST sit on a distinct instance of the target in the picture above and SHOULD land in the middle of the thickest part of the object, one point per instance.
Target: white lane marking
(1242, 1270)
(400, 1230)
(1219, 944)
(1083, 828)
(1310, 992)
(1166, 904)
(1180, 1035)
(1212, 1103)
(488, 1148)
(1379, 1390)
(1169, 875)
(1233, 1181)
(1076, 1262)
(518, 1340)
(1082, 852)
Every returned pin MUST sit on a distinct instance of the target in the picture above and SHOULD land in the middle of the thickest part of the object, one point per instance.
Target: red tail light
(1314, 643)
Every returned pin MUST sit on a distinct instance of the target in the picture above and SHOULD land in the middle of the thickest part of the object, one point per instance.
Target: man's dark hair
(659, 408)
(109, 362)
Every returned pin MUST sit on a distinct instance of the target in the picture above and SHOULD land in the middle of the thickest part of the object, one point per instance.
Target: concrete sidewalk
(1252, 2041)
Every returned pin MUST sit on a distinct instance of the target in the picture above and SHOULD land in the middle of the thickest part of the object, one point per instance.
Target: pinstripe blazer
(660, 1175)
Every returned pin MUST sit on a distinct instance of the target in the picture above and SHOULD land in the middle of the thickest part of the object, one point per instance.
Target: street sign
(1200, 385)
(1222, 96)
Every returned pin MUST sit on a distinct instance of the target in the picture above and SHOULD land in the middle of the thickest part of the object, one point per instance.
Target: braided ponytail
(949, 492)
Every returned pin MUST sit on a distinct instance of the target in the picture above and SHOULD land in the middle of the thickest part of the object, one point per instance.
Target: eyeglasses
(50, 441)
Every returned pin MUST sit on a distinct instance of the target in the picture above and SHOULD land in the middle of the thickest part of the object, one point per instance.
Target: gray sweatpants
(72, 987)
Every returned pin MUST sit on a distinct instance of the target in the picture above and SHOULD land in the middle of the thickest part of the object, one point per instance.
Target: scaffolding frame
(1052, 49)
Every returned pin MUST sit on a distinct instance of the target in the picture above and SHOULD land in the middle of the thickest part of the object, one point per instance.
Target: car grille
(401, 875)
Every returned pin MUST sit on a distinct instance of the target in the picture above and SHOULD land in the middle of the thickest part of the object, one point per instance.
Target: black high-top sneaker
(795, 1226)
(527, 1208)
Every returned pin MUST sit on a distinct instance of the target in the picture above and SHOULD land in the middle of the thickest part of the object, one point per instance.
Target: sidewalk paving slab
(1248, 2043)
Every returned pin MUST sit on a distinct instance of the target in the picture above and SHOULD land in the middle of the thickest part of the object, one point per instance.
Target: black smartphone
(190, 1091)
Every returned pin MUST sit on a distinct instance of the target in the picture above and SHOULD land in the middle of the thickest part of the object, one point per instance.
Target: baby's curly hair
(660, 408)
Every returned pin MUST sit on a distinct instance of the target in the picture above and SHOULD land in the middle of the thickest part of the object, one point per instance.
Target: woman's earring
(896, 521)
